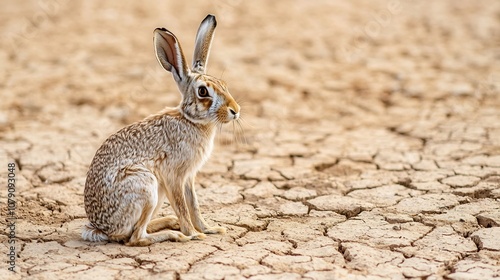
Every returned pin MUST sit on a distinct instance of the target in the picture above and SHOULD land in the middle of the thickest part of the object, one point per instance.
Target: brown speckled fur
(141, 165)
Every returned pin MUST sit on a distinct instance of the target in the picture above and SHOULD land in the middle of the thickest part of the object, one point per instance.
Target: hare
(139, 166)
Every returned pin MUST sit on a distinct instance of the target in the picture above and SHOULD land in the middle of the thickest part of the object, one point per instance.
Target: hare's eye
(203, 92)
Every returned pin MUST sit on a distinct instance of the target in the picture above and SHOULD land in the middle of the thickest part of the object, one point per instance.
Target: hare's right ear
(169, 54)
(203, 43)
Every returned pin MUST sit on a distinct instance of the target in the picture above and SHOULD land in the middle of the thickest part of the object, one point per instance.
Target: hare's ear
(203, 43)
(169, 54)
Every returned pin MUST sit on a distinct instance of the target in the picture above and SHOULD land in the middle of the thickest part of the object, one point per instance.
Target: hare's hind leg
(140, 235)
(166, 235)
(139, 199)
(167, 222)
(194, 211)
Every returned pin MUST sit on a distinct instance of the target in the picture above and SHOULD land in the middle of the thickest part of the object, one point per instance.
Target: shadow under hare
(139, 166)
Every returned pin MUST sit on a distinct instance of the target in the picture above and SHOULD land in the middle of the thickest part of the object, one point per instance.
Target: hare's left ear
(203, 43)
(169, 54)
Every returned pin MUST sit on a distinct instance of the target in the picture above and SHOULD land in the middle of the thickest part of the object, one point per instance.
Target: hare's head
(205, 99)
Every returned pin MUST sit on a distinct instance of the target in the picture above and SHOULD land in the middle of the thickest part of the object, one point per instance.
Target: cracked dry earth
(370, 150)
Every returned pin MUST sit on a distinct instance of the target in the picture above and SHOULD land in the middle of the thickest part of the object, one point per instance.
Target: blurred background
(85, 63)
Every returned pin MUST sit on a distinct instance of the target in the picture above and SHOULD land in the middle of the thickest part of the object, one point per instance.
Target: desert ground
(369, 145)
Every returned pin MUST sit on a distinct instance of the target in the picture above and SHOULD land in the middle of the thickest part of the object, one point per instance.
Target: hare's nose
(234, 114)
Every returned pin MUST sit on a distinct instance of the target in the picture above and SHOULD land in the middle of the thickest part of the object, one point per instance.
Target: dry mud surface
(370, 145)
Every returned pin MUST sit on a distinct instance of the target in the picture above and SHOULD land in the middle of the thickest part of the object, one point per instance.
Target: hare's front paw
(197, 236)
(215, 230)
(181, 237)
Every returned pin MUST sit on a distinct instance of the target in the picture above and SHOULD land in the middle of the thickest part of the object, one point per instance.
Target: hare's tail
(92, 234)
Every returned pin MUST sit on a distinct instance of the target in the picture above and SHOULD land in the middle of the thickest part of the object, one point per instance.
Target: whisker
(238, 134)
(235, 133)
(242, 131)
(233, 139)
(245, 122)
(243, 103)
(222, 74)
(220, 127)
(219, 132)
(240, 99)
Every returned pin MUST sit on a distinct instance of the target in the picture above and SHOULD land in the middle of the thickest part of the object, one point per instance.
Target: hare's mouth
(234, 117)
(231, 118)
(228, 120)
